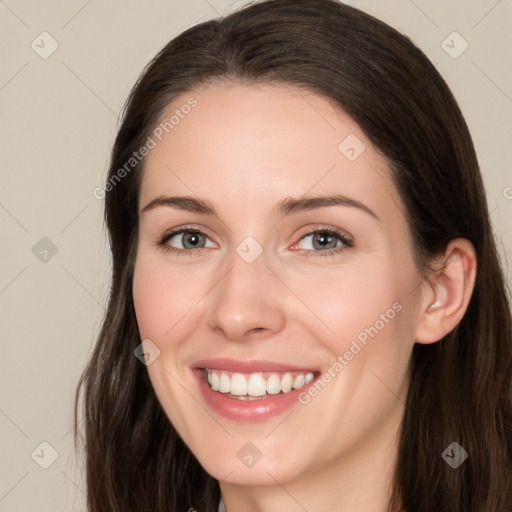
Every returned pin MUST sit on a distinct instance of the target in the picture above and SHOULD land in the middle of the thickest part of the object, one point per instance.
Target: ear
(450, 287)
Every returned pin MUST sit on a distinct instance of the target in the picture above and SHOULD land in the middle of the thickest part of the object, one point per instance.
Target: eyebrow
(288, 206)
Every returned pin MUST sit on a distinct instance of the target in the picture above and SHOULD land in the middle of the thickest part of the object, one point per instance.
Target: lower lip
(248, 410)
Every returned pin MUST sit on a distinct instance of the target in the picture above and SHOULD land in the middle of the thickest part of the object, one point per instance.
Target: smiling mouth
(255, 386)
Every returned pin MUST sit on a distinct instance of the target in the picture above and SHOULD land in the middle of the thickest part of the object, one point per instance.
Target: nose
(248, 302)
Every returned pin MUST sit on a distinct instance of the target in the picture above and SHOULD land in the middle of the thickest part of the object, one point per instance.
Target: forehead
(248, 146)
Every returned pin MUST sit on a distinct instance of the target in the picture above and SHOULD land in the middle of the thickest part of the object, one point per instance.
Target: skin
(244, 148)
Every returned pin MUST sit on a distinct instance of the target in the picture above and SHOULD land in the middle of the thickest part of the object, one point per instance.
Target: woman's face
(246, 292)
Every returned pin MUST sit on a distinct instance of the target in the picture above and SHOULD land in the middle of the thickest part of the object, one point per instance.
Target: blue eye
(325, 239)
(189, 239)
(193, 240)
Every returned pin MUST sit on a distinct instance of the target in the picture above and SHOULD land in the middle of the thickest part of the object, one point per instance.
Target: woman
(307, 309)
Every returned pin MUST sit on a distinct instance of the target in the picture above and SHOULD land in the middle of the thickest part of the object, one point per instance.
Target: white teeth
(287, 383)
(257, 386)
(299, 381)
(224, 383)
(273, 384)
(254, 384)
(215, 382)
(238, 384)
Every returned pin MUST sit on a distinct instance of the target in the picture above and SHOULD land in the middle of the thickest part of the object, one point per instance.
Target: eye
(189, 239)
(325, 242)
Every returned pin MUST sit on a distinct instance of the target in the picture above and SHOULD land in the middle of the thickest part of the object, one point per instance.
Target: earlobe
(448, 291)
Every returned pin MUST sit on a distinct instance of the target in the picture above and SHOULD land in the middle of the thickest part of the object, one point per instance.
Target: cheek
(163, 297)
(352, 302)
(370, 314)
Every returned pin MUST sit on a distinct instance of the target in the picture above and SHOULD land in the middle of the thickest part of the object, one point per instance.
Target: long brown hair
(460, 388)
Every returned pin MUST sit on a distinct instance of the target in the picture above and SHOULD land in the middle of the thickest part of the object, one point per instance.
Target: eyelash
(347, 243)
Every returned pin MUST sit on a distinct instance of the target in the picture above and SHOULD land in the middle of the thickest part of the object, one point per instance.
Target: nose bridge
(246, 298)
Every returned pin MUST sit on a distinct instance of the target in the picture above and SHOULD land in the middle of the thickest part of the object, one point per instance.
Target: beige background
(58, 121)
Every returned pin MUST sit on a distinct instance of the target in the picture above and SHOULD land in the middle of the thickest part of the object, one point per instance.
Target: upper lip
(233, 365)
